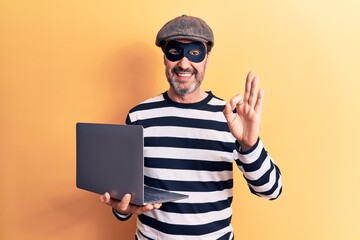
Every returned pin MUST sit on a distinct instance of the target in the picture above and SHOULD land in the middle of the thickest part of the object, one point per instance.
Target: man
(191, 140)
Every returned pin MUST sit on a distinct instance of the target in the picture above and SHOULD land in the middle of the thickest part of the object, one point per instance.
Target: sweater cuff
(120, 216)
(251, 155)
(242, 152)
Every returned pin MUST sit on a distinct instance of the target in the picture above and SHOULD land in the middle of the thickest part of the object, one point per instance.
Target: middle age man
(191, 140)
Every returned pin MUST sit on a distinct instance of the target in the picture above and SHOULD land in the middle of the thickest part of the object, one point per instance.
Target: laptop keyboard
(154, 195)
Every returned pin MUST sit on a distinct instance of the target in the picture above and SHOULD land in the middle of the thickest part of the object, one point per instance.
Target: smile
(184, 74)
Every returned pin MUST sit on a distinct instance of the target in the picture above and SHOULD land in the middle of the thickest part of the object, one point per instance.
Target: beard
(176, 86)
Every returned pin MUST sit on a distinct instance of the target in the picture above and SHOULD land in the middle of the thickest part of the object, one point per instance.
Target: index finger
(232, 104)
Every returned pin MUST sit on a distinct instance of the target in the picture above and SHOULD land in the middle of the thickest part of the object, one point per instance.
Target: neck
(193, 97)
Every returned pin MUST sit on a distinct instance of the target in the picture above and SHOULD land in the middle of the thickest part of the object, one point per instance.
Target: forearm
(259, 170)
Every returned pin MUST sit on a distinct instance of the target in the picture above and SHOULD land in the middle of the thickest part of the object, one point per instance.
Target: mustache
(188, 70)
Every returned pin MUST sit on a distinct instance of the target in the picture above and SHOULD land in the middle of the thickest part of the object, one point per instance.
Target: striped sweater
(189, 149)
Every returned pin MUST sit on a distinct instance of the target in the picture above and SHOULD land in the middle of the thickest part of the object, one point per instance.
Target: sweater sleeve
(120, 216)
(261, 173)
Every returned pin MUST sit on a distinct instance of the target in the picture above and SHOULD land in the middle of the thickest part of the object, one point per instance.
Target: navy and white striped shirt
(189, 149)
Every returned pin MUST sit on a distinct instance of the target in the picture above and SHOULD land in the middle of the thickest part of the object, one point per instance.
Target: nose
(184, 63)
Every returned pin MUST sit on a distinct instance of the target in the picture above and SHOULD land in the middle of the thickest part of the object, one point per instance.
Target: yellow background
(68, 61)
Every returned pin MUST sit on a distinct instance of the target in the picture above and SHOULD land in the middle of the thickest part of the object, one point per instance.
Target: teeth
(184, 74)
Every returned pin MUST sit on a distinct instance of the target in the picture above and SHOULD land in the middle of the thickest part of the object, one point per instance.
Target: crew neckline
(188, 105)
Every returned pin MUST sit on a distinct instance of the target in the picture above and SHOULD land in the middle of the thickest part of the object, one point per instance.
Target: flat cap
(185, 27)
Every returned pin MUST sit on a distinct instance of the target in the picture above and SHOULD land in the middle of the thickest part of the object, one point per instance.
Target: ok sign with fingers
(244, 124)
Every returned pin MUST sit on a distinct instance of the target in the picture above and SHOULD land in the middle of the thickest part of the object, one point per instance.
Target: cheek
(168, 65)
(169, 68)
(200, 68)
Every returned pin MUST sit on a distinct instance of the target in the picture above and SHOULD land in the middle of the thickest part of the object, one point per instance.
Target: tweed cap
(185, 27)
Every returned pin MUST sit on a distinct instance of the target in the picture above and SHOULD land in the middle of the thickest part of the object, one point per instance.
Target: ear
(164, 58)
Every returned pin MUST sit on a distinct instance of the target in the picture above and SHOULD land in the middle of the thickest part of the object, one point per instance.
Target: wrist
(121, 216)
(120, 211)
(244, 148)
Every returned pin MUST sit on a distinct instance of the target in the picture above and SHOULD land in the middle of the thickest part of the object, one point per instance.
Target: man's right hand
(125, 207)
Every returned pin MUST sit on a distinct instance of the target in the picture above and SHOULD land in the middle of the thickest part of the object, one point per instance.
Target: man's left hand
(245, 123)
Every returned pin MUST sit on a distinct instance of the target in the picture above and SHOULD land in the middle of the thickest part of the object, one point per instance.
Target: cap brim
(183, 37)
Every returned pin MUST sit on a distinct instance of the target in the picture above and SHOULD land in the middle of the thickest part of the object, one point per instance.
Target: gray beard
(184, 91)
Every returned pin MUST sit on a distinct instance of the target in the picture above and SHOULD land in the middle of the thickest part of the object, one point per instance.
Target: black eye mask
(194, 51)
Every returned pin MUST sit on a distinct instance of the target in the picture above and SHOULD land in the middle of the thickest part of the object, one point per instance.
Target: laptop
(110, 158)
